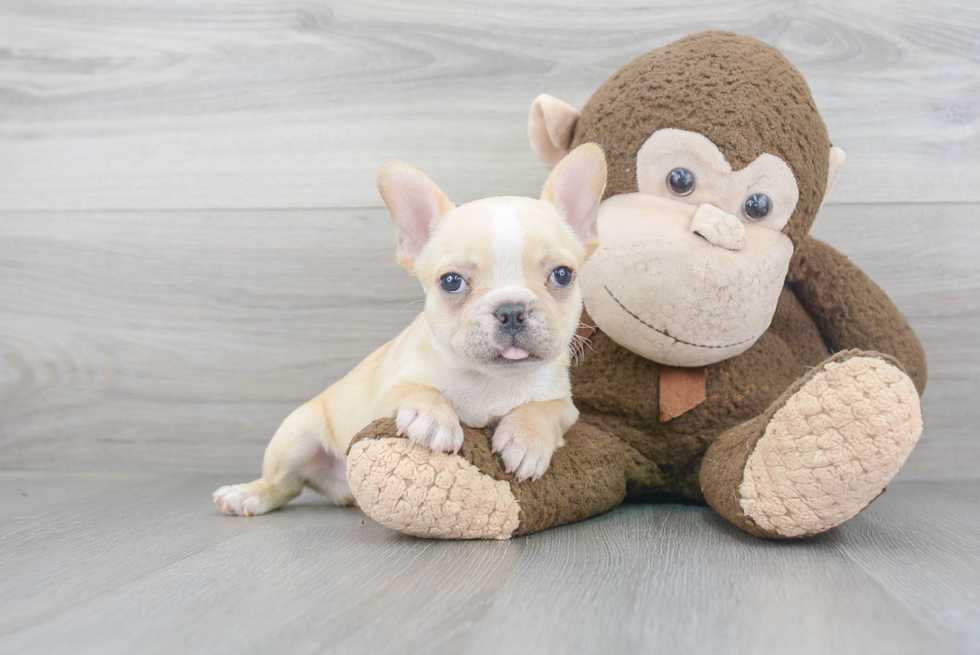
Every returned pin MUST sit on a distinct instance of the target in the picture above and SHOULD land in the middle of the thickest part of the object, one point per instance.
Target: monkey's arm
(852, 311)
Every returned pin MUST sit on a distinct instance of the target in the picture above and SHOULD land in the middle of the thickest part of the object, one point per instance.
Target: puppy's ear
(550, 128)
(415, 203)
(575, 187)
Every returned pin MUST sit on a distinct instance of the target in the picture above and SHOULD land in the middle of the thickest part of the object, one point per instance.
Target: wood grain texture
(147, 564)
(177, 341)
(116, 104)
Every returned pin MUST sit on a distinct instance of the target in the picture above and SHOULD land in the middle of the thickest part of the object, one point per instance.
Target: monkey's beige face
(500, 276)
(690, 268)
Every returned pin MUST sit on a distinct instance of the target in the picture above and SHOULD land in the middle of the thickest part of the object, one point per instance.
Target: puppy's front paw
(436, 428)
(525, 454)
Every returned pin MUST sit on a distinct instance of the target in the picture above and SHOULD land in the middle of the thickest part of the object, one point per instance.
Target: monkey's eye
(452, 283)
(681, 182)
(561, 277)
(757, 206)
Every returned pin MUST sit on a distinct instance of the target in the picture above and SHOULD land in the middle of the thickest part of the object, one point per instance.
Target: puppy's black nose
(511, 318)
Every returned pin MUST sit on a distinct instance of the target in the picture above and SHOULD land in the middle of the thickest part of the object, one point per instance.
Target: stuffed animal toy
(734, 360)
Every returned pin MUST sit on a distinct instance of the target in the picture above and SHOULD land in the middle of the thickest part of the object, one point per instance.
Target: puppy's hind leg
(327, 473)
(294, 452)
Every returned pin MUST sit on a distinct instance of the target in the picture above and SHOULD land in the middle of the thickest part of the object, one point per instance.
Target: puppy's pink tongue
(515, 353)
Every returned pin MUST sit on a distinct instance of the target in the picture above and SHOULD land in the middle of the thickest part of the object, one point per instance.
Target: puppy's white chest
(480, 400)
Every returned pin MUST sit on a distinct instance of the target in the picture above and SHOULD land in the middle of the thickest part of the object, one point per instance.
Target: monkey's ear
(415, 203)
(837, 158)
(550, 127)
(575, 187)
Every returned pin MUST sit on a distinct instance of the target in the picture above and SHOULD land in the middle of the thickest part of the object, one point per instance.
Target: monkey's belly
(618, 392)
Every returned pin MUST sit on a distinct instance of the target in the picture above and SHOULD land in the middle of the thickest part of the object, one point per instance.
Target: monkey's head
(718, 162)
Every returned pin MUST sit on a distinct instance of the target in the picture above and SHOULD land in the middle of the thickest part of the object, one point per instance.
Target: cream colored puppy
(491, 347)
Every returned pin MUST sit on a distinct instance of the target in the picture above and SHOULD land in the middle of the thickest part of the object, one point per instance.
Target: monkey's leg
(821, 453)
(469, 496)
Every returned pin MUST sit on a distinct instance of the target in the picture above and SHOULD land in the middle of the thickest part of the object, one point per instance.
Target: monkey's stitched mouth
(686, 343)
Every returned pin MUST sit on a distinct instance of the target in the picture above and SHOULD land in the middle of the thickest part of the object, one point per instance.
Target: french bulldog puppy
(491, 348)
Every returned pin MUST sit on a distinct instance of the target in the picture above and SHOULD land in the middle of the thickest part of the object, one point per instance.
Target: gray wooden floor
(97, 563)
(191, 245)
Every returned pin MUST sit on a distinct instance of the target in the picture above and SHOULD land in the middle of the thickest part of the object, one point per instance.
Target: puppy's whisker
(577, 346)
(411, 303)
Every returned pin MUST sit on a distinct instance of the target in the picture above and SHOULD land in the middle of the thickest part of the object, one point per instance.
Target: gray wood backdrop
(191, 243)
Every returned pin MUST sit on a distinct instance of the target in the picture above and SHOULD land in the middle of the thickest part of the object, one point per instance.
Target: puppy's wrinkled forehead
(506, 239)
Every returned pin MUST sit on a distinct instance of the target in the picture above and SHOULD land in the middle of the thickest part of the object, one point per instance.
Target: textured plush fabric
(832, 448)
(416, 491)
(748, 99)
(810, 423)
(667, 293)
(586, 477)
(550, 128)
(849, 308)
(618, 391)
(741, 93)
(437, 495)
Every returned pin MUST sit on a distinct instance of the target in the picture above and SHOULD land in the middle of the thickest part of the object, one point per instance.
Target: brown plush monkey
(734, 359)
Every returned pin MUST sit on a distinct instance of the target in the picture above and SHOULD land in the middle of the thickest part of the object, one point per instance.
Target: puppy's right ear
(416, 204)
(550, 128)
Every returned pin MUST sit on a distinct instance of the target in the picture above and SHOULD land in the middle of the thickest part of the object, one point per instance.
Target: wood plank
(307, 576)
(179, 341)
(254, 103)
(153, 567)
(907, 546)
(680, 579)
(173, 341)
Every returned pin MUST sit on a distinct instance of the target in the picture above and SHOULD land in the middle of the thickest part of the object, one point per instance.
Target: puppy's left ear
(575, 186)
(416, 204)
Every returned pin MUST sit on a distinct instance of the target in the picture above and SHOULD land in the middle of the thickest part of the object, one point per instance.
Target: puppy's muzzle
(511, 318)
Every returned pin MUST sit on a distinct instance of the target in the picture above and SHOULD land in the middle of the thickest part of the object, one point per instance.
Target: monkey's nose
(719, 228)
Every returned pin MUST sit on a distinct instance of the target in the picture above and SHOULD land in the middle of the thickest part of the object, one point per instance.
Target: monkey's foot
(425, 493)
(469, 495)
(821, 454)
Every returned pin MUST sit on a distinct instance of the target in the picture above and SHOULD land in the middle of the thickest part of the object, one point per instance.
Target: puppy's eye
(681, 182)
(757, 206)
(452, 283)
(561, 277)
